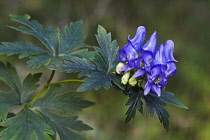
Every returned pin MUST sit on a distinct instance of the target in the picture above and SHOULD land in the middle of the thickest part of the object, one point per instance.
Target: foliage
(51, 109)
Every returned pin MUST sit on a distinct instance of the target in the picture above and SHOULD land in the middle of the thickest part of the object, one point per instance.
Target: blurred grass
(185, 22)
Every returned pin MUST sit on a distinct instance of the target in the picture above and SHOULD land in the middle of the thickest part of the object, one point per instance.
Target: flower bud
(119, 66)
(132, 81)
(125, 78)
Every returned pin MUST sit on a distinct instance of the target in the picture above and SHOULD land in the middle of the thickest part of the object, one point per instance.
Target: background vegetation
(187, 23)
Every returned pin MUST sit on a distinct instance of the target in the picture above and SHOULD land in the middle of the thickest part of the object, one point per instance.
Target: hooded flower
(163, 67)
(146, 62)
(136, 55)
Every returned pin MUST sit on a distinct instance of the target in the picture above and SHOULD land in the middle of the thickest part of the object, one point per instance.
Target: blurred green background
(186, 22)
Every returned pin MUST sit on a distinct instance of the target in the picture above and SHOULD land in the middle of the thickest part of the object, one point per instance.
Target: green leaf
(77, 65)
(9, 75)
(95, 81)
(69, 40)
(7, 101)
(100, 72)
(155, 105)
(25, 126)
(108, 49)
(168, 97)
(25, 49)
(58, 44)
(29, 85)
(134, 103)
(62, 100)
(65, 125)
(46, 36)
(84, 53)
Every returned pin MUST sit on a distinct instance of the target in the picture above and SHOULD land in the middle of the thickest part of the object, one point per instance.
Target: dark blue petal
(138, 40)
(127, 53)
(171, 69)
(126, 68)
(147, 88)
(160, 58)
(151, 44)
(169, 48)
(163, 81)
(156, 89)
(147, 59)
(155, 72)
(139, 73)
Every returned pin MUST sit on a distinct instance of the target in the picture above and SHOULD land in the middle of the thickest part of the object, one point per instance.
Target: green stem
(49, 84)
(36, 97)
(65, 81)
(41, 91)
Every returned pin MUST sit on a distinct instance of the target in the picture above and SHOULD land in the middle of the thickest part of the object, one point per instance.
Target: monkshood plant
(140, 69)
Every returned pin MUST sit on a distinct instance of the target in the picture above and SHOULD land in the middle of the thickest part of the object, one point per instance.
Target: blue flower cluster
(146, 60)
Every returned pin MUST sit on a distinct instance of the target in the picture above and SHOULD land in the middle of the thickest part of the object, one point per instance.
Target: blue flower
(140, 61)
(163, 67)
(130, 52)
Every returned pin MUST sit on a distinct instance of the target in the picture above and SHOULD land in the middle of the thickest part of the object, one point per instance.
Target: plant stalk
(47, 85)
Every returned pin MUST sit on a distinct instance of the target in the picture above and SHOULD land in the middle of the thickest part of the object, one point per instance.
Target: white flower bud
(125, 78)
(119, 66)
(132, 81)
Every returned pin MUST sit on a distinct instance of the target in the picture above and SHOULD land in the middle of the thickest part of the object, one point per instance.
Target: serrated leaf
(29, 85)
(65, 125)
(108, 49)
(155, 105)
(9, 75)
(101, 71)
(59, 45)
(84, 53)
(62, 100)
(168, 97)
(77, 65)
(96, 80)
(69, 40)
(24, 49)
(46, 36)
(25, 126)
(134, 103)
(7, 101)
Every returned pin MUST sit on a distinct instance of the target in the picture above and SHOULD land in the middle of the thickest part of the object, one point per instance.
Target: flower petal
(155, 72)
(127, 53)
(139, 73)
(169, 48)
(160, 56)
(138, 40)
(147, 59)
(156, 89)
(171, 69)
(147, 88)
(151, 44)
(125, 68)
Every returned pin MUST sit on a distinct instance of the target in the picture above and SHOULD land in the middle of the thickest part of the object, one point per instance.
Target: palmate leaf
(25, 126)
(155, 105)
(134, 103)
(168, 97)
(20, 93)
(100, 72)
(67, 126)
(9, 75)
(29, 86)
(7, 101)
(62, 100)
(54, 51)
